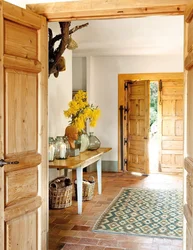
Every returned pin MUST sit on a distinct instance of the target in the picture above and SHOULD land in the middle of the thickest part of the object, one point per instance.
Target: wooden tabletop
(76, 161)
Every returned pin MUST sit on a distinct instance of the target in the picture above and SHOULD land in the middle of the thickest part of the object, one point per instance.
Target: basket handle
(54, 183)
(91, 179)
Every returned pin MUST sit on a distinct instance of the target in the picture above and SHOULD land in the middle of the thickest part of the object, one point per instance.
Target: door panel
(21, 184)
(188, 163)
(171, 116)
(21, 109)
(23, 46)
(138, 126)
(23, 239)
(23, 129)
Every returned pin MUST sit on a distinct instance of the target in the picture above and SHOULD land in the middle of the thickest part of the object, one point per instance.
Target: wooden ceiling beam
(100, 9)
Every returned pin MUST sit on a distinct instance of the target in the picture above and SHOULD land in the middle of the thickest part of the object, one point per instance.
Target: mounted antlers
(56, 60)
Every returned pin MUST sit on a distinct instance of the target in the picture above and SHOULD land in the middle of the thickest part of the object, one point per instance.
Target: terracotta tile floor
(68, 230)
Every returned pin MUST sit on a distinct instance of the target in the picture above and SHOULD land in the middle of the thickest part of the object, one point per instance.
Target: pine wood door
(171, 125)
(23, 129)
(138, 126)
(188, 172)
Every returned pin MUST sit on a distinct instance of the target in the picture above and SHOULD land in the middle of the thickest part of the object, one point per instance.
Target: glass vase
(62, 148)
(82, 142)
(51, 149)
(94, 142)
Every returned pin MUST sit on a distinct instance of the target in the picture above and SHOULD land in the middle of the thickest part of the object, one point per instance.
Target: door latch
(2, 162)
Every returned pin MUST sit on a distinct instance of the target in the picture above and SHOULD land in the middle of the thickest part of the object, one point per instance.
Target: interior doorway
(153, 133)
(138, 140)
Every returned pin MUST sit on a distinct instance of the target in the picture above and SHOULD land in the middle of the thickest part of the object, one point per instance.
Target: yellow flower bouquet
(80, 111)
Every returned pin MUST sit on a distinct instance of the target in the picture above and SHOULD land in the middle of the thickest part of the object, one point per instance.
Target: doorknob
(145, 138)
(2, 162)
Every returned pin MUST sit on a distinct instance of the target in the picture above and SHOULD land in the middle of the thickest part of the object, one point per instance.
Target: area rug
(144, 212)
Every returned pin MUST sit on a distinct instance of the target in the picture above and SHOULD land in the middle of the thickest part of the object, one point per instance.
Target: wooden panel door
(171, 114)
(138, 126)
(188, 172)
(23, 129)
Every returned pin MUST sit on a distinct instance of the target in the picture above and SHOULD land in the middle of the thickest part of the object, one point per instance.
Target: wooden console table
(79, 162)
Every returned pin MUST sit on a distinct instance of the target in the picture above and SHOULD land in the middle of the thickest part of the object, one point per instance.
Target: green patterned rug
(144, 212)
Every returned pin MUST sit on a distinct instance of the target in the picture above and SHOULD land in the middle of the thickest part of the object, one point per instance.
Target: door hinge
(125, 161)
(126, 85)
(126, 109)
(160, 85)
(125, 141)
(160, 90)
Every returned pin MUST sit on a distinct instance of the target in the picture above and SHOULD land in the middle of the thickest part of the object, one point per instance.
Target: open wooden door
(188, 171)
(23, 129)
(171, 125)
(138, 126)
(134, 97)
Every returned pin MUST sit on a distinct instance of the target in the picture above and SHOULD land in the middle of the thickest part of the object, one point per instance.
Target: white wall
(60, 92)
(20, 3)
(59, 95)
(103, 89)
(79, 78)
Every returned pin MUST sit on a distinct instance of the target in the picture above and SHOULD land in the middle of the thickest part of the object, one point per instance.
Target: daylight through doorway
(153, 135)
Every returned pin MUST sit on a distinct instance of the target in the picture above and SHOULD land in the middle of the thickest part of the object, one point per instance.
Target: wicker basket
(60, 193)
(87, 189)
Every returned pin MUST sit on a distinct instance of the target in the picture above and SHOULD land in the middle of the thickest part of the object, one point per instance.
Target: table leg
(79, 189)
(99, 176)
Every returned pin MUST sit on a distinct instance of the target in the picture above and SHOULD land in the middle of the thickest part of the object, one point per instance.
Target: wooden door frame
(99, 9)
(133, 77)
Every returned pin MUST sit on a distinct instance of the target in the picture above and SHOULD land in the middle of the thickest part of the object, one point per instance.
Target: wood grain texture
(188, 63)
(98, 9)
(28, 65)
(22, 46)
(25, 112)
(22, 232)
(190, 37)
(26, 160)
(1, 84)
(138, 126)
(188, 201)
(2, 232)
(122, 102)
(21, 110)
(21, 185)
(43, 131)
(171, 124)
(172, 80)
(74, 162)
(22, 208)
(188, 13)
(19, 15)
(151, 76)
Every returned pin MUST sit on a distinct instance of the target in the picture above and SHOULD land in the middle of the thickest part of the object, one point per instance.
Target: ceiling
(156, 35)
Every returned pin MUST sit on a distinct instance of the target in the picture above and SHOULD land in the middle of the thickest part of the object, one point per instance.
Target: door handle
(145, 138)
(2, 162)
